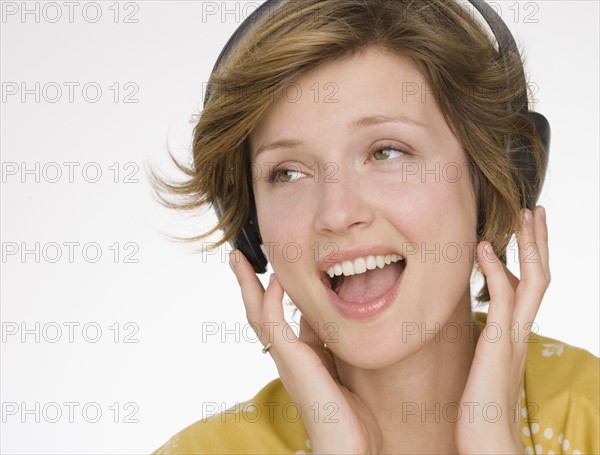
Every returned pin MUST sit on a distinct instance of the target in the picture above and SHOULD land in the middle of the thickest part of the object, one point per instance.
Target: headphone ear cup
(523, 159)
(248, 242)
(542, 126)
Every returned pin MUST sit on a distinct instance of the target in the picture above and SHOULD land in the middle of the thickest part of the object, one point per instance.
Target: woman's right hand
(307, 372)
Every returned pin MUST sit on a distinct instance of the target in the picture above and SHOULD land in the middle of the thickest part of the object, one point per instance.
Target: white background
(163, 380)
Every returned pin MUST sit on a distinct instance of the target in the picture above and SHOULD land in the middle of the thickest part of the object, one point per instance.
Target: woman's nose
(341, 205)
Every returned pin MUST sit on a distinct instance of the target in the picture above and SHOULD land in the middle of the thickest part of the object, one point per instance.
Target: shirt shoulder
(562, 387)
(269, 423)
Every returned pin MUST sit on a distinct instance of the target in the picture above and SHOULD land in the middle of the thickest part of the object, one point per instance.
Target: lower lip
(365, 310)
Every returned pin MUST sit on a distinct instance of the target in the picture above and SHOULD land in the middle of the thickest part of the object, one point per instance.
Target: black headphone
(249, 241)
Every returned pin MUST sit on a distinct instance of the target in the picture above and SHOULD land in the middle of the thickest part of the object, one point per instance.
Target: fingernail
(542, 213)
(271, 278)
(489, 252)
(527, 216)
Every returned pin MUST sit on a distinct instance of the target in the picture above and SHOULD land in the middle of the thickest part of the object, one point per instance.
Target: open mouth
(367, 287)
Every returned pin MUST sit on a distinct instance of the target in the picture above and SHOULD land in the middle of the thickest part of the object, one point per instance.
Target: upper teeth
(361, 265)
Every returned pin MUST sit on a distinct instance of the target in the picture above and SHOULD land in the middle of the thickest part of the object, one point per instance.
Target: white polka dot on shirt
(566, 444)
(538, 449)
(528, 450)
(548, 433)
(526, 431)
(535, 427)
(560, 438)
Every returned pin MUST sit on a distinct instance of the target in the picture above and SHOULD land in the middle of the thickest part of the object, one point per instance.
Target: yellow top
(559, 411)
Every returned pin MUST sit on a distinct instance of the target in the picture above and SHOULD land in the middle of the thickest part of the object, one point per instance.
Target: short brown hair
(473, 86)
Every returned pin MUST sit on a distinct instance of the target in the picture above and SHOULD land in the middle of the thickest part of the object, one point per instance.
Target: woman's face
(373, 168)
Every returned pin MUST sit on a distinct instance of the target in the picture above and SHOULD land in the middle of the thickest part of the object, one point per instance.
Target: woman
(388, 143)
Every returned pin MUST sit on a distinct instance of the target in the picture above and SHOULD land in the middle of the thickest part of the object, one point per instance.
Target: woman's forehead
(363, 90)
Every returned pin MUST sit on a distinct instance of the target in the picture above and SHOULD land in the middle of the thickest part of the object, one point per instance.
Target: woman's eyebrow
(377, 119)
(283, 143)
(367, 121)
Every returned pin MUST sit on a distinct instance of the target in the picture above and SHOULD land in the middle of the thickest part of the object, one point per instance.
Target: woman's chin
(378, 355)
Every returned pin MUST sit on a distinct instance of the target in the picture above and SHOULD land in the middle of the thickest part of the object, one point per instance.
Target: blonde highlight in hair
(472, 84)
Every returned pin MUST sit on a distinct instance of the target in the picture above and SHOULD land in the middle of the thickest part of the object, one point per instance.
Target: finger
(533, 283)
(280, 333)
(529, 253)
(500, 289)
(250, 286)
(541, 234)
(305, 375)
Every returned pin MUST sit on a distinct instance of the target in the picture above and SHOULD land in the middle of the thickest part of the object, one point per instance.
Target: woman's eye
(384, 153)
(285, 176)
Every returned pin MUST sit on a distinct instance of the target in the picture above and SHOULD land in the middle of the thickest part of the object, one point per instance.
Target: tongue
(369, 285)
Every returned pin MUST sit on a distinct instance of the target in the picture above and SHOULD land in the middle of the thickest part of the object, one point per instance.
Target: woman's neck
(416, 401)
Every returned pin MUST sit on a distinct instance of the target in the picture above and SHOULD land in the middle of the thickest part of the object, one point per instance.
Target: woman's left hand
(494, 385)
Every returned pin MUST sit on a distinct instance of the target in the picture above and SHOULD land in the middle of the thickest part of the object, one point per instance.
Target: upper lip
(350, 254)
